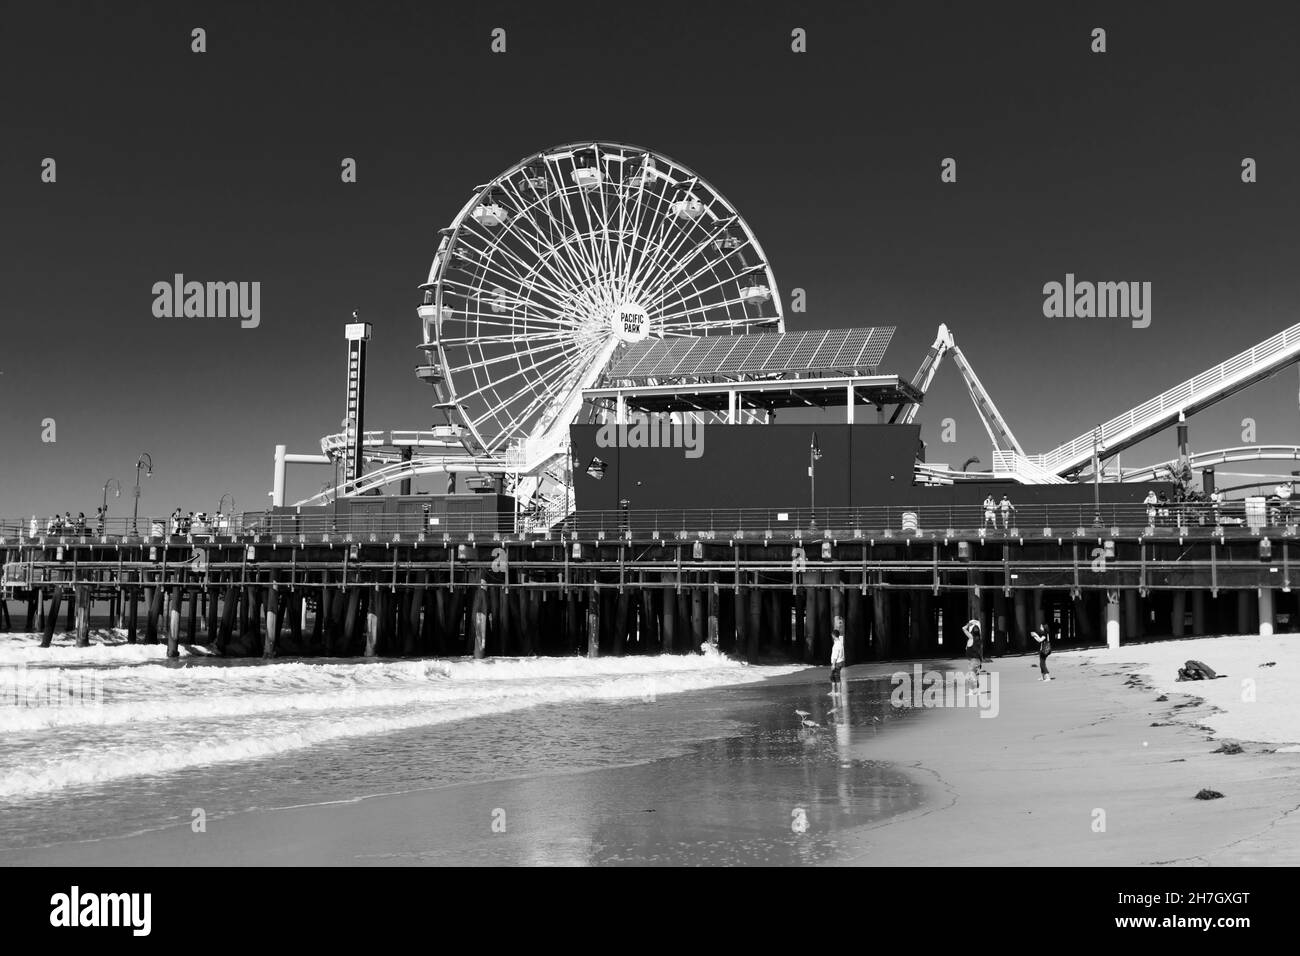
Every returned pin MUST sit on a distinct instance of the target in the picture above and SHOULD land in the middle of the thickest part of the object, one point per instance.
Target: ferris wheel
(565, 258)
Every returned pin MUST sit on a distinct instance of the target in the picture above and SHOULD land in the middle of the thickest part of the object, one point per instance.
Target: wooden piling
(372, 623)
(153, 612)
(880, 623)
(593, 622)
(210, 615)
(273, 614)
(480, 619)
(854, 627)
(83, 616)
(754, 633)
(174, 623)
(712, 632)
(668, 619)
(697, 618)
(52, 616)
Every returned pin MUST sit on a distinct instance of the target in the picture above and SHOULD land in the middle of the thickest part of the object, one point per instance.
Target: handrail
(1028, 520)
(1257, 361)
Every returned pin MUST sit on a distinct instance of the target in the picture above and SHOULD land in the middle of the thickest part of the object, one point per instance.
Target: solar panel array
(762, 353)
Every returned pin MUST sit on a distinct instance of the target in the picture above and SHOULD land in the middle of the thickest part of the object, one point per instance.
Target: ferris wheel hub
(629, 323)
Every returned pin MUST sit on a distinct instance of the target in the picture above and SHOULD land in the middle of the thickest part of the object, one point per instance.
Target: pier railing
(867, 522)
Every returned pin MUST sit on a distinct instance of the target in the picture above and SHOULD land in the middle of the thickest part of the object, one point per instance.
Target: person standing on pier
(837, 655)
(1007, 507)
(990, 512)
(1043, 636)
(1150, 501)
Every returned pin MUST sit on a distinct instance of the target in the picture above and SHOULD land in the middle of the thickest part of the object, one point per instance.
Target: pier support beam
(1243, 612)
(854, 626)
(1021, 639)
(1266, 612)
(83, 616)
(1198, 613)
(1132, 615)
(272, 621)
(372, 625)
(1112, 622)
(593, 622)
(811, 615)
(52, 616)
(1178, 615)
(480, 617)
(712, 634)
(880, 623)
(174, 623)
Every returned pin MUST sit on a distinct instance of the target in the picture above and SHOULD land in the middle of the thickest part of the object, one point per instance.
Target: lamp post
(1096, 477)
(144, 461)
(814, 453)
(334, 525)
(117, 493)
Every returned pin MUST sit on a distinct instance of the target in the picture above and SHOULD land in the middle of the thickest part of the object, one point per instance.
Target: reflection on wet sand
(783, 792)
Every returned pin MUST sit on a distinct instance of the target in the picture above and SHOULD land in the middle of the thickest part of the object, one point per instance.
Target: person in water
(837, 655)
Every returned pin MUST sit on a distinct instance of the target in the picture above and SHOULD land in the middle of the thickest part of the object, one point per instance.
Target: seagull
(802, 713)
(810, 723)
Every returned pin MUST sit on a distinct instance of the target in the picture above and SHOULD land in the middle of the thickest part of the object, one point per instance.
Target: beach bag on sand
(1196, 670)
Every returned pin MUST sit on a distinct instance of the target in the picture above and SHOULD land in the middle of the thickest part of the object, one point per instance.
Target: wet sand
(875, 785)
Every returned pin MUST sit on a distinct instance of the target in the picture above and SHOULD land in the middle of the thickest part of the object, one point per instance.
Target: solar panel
(670, 355)
(685, 362)
(850, 347)
(781, 355)
(631, 359)
(874, 350)
(829, 348)
(806, 349)
(810, 351)
(765, 344)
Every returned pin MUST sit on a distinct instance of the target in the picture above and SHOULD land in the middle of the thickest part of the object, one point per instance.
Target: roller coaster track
(1213, 385)
(1219, 456)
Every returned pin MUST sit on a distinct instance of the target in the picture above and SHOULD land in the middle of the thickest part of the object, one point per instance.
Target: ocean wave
(150, 718)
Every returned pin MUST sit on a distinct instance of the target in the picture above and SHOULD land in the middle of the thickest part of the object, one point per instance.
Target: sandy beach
(1087, 769)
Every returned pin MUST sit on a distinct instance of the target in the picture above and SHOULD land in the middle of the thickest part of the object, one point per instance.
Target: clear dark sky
(225, 166)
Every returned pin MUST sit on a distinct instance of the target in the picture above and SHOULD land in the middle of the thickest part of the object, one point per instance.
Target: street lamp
(144, 461)
(1096, 477)
(117, 493)
(814, 453)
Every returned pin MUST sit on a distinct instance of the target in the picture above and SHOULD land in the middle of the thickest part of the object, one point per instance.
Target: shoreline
(1031, 787)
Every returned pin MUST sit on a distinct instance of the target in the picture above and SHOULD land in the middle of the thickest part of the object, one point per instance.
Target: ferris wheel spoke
(664, 303)
(683, 262)
(711, 309)
(663, 249)
(474, 366)
(506, 338)
(518, 362)
(553, 291)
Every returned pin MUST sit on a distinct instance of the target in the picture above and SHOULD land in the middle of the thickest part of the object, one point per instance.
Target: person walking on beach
(837, 655)
(990, 512)
(1044, 638)
(974, 642)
